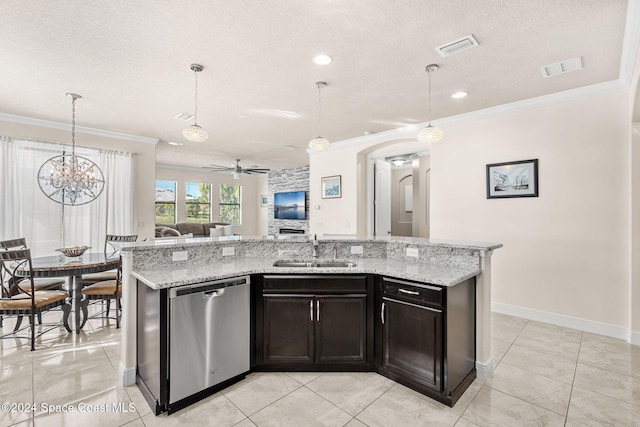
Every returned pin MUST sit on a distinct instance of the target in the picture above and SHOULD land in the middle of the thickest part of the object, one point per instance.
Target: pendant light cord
(195, 116)
(429, 71)
(73, 126)
(319, 109)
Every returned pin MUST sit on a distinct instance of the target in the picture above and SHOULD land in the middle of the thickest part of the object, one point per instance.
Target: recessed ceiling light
(322, 59)
(174, 143)
(459, 94)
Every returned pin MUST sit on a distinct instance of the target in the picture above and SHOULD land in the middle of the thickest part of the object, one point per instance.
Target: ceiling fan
(237, 169)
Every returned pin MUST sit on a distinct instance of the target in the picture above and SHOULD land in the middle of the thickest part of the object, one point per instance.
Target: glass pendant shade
(195, 133)
(69, 179)
(430, 134)
(319, 144)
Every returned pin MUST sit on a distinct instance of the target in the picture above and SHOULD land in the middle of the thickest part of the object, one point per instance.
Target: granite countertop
(438, 274)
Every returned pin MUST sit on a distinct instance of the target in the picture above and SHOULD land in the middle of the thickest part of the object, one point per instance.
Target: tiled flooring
(545, 375)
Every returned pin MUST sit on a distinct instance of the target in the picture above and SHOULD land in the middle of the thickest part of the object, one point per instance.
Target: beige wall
(254, 216)
(337, 215)
(567, 251)
(144, 163)
(567, 254)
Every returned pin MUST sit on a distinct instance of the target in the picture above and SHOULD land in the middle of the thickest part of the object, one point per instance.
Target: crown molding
(80, 129)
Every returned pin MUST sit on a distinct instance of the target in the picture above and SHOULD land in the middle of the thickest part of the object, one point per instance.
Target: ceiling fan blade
(257, 170)
(220, 167)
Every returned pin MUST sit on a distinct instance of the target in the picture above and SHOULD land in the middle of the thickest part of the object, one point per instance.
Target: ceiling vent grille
(184, 116)
(572, 64)
(456, 46)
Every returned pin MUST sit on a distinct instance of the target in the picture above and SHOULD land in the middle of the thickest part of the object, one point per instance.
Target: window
(230, 203)
(165, 202)
(198, 199)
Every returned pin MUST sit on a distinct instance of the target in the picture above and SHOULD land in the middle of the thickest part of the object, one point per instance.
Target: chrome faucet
(315, 246)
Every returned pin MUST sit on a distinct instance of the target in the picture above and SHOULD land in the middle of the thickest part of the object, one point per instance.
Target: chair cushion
(22, 301)
(88, 279)
(216, 232)
(107, 288)
(41, 284)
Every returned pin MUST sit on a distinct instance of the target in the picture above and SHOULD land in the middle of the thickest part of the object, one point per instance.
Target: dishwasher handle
(213, 294)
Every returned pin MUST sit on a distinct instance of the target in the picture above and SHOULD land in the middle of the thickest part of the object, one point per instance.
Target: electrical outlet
(230, 251)
(412, 252)
(357, 250)
(180, 256)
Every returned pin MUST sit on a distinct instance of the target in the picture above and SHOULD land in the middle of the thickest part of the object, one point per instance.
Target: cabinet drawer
(315, 284)
(413, 292)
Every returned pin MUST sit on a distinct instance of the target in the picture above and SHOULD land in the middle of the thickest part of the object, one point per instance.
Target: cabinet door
(288, 329)
(412, 342)
(341, 329)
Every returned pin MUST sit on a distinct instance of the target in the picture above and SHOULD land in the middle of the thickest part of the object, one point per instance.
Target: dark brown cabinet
(314, 323)
(412, 342)
(425, 336)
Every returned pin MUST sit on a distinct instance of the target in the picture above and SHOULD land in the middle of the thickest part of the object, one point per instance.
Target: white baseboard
(567, 321)
(484, 370)
(127, 375)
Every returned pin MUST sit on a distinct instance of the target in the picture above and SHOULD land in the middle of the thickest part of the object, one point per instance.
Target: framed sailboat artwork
(512, 179)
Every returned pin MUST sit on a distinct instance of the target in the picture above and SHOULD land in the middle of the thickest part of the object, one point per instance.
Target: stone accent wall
(296, 179)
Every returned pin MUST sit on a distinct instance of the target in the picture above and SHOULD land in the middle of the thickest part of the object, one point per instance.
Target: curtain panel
(47, 225)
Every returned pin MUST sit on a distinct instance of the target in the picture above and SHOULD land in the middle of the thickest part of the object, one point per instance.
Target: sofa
(196, 229)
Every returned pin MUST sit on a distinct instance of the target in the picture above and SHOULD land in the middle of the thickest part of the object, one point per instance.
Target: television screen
(291, 205)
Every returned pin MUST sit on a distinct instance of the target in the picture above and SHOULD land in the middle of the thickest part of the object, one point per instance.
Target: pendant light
(430, 133)
(319, 143)
(194, 132)
(69, 179)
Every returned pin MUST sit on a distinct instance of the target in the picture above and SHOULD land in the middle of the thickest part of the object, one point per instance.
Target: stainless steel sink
(314, 263)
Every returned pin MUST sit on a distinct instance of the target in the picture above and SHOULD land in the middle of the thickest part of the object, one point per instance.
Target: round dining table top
(60, 265)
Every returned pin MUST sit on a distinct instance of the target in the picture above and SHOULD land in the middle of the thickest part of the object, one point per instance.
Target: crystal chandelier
(194, 132)
(430, 133)
(69, 179)
(319, 143)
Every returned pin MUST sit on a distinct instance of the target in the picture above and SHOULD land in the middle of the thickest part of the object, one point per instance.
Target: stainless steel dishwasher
(209, 335)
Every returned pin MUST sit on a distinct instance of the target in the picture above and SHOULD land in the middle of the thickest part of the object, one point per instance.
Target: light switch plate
(180, 256)
(357, 250)
(230, 251)
(412, 252)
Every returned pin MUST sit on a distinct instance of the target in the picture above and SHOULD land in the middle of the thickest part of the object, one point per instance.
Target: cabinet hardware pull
(311, 310)
(382, 313)
(406, 291)
(317, 310)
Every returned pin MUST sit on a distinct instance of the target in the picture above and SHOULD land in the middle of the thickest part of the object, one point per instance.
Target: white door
(382, 198)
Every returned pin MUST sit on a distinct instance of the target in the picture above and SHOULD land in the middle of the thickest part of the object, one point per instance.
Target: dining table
(73, 268)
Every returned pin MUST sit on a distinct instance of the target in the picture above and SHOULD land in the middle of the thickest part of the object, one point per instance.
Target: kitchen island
(424, 268)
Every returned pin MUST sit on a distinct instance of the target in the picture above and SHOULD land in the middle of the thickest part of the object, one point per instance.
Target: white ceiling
(130, 62)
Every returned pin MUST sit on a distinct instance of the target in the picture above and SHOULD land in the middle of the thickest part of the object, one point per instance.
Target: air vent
(287, 147)
(572, 64)
(184, 116)
(456, 46)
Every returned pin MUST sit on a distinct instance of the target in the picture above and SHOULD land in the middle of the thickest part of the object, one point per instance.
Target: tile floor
(545, 375)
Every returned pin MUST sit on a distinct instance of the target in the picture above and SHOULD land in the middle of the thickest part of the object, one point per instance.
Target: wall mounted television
(290, 205)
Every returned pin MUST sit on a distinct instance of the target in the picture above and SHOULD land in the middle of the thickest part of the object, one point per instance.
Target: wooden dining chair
(24, 285)
(16, 267)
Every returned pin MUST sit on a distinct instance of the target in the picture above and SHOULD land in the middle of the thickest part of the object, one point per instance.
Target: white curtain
(47, 225)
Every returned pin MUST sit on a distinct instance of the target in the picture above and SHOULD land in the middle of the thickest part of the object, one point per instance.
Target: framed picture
(512, 179)
(264, 200)
(331, 187)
